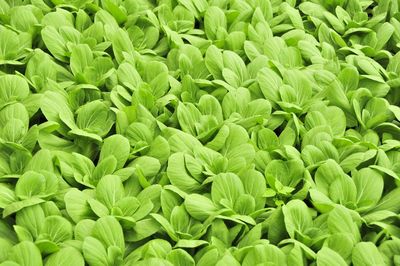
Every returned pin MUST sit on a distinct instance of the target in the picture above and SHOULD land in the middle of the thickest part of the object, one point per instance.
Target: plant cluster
(199, 132)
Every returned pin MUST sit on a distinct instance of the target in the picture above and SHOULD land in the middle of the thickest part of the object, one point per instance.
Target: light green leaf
(108, 230)
(178, 175)
(327, 257)
(110, 190)
(297, 217)
(366, 253)
(226, 187)
(199, 206)
(67, 256)
(94, 252)
(26, 254)
(56, 229)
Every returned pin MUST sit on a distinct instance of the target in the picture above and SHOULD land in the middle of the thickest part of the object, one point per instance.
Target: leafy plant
(199, 132)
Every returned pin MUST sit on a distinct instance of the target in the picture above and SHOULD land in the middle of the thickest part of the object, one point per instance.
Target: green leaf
(43, 184)
(183, 243)
(31, 218)
(199, 206)
(67, 256)
(214, 18)
(233, 62)
(7, 196)
(178, 175)
(289, 173)
(166, 225)
(390, 202)
(110, 190)
(180, 257)
(297, 217)
(214, 61)
(327, 257)
(26, 254)
(341, 221)
(121, 44)
(326, 174)
(51, 99)
(95, 117)
(55, 43)
(383, 35)
(226, 187)
(118, 146)
(19, 205)
(83, 229)
(341, 243)
(369, 186)
(13, 88)
(77, 206)
(366, 253)
(81, 57)
(56, 229)
(94, 252)
(105, 167)
(108, 230)
(265, 254)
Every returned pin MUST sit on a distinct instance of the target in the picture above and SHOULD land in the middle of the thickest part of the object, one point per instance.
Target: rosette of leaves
(79, 169)
(341, 235)
(292, 94)
(192, 166)
(281, 52)
(188, 60)
(229, 241)
(143, 135)
(160, 252)
(250, 249)
(15, 47)
(176, 221)
(238, 107)
(214, 256)
(31, 23)
(37, 223)
(372, 76)
(300, 231)
(32, 187)
(287, 179)
(178, 22)
(143, 85)
(375, 115)
(243, 208)
(269, 146)
(361, 32)
(364, 188)
(89, 70)
(60, 35)
(42, 72)
(239, 198)
(16, 108)
(227, 68)
(103, 242)
(93, 121)
(145, 33)
(350, 150)
(24, 252)
(131, 210)
(110, 199)
(215, 25)
(202, 121)
(35, 179)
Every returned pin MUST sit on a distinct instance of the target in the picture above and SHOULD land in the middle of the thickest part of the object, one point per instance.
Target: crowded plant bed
(199, 132)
